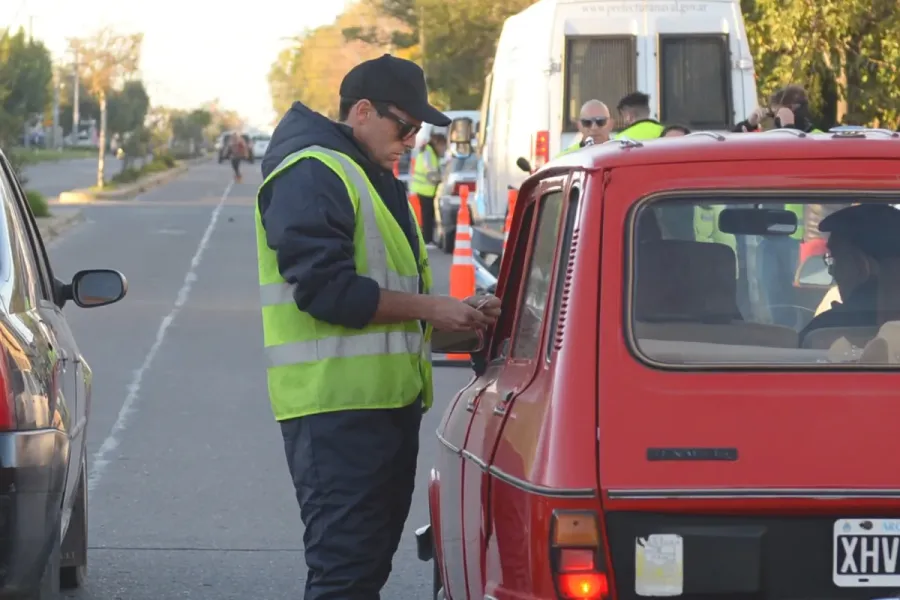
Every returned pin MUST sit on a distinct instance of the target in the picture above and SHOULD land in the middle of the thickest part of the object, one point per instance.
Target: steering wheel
(799, 313)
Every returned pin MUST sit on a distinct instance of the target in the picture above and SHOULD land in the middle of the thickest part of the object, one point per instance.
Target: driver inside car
(860, 238)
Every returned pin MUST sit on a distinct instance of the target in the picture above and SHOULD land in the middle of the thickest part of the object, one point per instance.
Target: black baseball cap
(396, 81)
(873, 228)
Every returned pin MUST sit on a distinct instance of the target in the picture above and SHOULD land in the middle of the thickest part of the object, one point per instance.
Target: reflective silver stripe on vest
(366, 344)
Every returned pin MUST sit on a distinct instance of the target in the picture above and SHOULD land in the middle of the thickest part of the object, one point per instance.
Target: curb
(127, 192)
(50, 232)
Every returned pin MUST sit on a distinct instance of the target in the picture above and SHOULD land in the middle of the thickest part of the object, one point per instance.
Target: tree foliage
(26, 77)
(128, 107)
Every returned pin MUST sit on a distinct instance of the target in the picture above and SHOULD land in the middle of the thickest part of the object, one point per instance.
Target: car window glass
(518, 250)
(533, 303)
(25, 276)
(562, 266)
(31, 240)
(730, 280)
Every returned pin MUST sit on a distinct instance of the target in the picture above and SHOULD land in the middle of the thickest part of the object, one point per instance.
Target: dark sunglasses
(598, 121)
(405, 129)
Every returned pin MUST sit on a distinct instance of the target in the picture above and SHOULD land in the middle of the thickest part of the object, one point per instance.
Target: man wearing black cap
(347, 319)
(860, 238)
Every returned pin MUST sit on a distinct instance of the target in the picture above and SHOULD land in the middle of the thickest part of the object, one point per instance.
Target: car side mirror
(457, 342)
(96, 287)
(523, 164)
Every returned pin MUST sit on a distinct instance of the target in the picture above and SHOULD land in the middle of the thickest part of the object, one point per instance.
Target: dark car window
(38, 253)
(21, 272)
(403, 163)
(533, 304)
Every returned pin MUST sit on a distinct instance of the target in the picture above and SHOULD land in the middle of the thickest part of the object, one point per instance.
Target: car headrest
(681, 280)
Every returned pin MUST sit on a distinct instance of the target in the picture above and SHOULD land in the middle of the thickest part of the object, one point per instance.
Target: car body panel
(536, 440)
(42, 456)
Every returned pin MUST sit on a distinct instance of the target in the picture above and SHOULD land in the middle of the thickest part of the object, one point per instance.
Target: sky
(194, 50)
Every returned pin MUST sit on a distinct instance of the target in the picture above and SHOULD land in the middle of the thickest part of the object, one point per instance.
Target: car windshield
(750, 281)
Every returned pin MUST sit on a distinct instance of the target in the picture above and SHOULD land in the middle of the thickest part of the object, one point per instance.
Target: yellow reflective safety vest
(426, 162)
(706, 227)
(642, 130)
(572, 148)
(316, 367)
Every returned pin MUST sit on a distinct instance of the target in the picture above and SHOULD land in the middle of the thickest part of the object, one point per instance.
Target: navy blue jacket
(309, 220)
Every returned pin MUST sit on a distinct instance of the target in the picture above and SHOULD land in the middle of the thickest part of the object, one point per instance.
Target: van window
(601, 68)
(737, 292)
(533, 304)
(695, 81)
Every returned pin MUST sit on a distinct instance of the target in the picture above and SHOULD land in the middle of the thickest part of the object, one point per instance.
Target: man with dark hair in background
(635, 111)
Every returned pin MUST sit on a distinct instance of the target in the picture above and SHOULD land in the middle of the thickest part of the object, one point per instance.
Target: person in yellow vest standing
(347, 314)
(635, 112)
(425, 179)
(594, 126)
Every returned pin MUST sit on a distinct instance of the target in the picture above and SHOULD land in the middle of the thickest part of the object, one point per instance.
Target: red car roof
(783, 144)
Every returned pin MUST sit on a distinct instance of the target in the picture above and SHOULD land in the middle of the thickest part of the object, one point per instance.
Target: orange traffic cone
(511, 208)
(462, 272)
(417, 207)
(396, 168)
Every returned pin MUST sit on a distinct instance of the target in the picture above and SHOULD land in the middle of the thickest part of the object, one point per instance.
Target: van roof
(785, 144)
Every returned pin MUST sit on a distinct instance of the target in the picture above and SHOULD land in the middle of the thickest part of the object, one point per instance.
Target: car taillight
(459, 185)
(577, 556)
(7, 401)
(541, 149)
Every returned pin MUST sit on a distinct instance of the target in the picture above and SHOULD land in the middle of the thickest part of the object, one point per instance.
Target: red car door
(446, 484)
(512, 367)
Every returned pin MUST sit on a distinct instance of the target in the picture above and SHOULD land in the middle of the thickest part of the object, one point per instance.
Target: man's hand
(486, 303)
(757, 116)
(450, 314)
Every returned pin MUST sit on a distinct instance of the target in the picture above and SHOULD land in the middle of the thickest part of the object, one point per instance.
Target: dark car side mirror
(523, 164)
(94, 287)
(457, 342)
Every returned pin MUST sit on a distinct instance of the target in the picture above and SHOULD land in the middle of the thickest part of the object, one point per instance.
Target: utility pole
(76, 113)
(56, 129)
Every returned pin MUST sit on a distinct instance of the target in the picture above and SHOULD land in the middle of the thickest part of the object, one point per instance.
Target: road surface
(190, 495)
(53, 178)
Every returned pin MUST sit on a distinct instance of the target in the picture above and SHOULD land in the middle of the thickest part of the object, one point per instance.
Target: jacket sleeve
(309, 222)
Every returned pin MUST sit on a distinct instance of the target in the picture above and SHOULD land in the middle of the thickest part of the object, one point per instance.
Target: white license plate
(867, 553)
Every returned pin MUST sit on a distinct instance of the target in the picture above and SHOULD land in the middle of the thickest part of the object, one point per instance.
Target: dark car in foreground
(45, 393)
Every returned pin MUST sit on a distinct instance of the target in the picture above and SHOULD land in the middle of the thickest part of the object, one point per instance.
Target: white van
(692, 58)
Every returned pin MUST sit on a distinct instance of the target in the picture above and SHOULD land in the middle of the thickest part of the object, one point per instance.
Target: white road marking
(101, 460)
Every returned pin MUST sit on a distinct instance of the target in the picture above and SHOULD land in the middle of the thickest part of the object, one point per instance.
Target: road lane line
(101, 460)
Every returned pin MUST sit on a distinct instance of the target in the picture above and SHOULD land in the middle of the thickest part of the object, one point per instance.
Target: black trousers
(354, 474)
(236, 166)
(427, 204)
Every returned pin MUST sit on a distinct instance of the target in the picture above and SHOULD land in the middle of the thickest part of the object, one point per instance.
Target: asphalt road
(53, 178)
(190, 495)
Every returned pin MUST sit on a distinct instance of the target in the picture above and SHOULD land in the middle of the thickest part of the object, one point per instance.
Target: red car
(638, 424)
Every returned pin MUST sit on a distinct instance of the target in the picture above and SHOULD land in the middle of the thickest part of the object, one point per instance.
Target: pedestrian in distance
(348, 312)
(239, 152)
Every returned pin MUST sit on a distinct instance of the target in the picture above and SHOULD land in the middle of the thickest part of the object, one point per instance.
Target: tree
(127, 108)
(105, 60)
(26, 73)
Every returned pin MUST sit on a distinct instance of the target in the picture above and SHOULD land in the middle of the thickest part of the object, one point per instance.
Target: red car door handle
(500, 409)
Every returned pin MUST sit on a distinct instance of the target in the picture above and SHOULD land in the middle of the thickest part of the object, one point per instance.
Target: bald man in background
(594, 125)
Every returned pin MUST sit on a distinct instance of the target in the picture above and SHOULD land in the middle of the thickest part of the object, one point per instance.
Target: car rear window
(749, 281)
